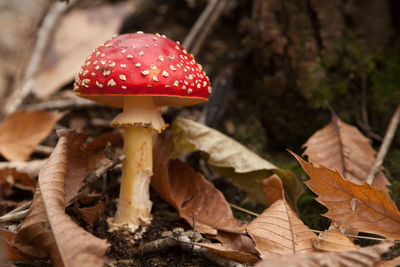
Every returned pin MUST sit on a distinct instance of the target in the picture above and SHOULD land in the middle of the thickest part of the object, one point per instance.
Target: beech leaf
(190, 193)
(22, 130)
(365, 257)
(278, 231)
(340, 146)
(47, 226)
(233, 160)
(361, 207)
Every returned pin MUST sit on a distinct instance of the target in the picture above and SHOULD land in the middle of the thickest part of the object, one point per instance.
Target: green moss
(384, 93)
(311, 210)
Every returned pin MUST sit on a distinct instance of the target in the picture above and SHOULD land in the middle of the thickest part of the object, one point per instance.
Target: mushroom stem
(139, 117)
(134, 200)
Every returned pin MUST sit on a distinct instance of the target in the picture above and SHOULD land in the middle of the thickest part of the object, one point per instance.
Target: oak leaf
(365, 257)
(278, 231)
(21, 131)
(361, 207)
(340, 146)
(231, 159)
(190, 193)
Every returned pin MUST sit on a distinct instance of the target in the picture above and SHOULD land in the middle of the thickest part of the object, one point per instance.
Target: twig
(63, 104)
(44, 32)
(179, 238)
(368, 131)
(98, 173)
(17, 213)
(44, 150)
(31, 168)
(16, 216)
(199, 24)
(355, 236)
(24, 206)
(244, 210)
(387, 140)
(207, 27)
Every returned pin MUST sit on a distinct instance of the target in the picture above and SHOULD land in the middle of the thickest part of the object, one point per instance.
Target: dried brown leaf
(11, 178)
(230, 253)
(237, 242)
(231, 159)
(272, 187)
(47, 226)
(365, 257)
(31, 168)
(78, 33)
(388, 263)
(362, 207)
(278, 231)
(85, 157)
(10, 250)
(91, 214)
(333, 241)
(21, 131)
(190, 192)
(340, 146)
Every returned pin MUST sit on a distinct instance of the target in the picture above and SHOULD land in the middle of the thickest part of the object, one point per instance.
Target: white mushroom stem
(138, 118)
(134, 200)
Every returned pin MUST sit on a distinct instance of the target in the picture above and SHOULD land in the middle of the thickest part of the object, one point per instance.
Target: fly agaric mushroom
(140, 73)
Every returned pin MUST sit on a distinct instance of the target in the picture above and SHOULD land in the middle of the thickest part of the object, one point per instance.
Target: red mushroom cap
(142, 65)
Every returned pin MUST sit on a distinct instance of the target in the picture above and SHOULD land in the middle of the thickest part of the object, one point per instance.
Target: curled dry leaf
(11, 178)
(190, 193)
(9, 250)
(236, 241)
(333, 241)
(92, 213)
(341, 147)
(230, 253)
(84, 157)
(82, 30)
(238, 247)
(47, 227)
(365, 257)
(232, 159)
(362, 207)
(278, 231)
(21, 131)
(31, 168)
